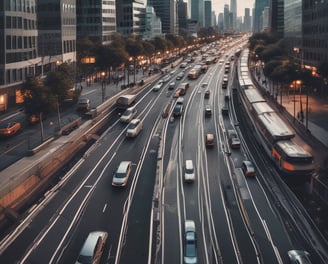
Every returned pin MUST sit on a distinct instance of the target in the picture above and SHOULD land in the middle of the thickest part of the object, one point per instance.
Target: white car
(157, 86)
(122, 174)
(134, 128)
(128, 114)
(189, 175)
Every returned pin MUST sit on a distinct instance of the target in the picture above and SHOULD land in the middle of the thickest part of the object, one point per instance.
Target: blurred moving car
(233, 139)
(9, 129)
(248, 168)
(93, 248)
(189, 175)
(209, 140)
(83, 104)
(128, 114)
(207, 94)
(180, 76)
(134, 128)
(190, 243)
(299, 257)
(171, 86)
(208, 110)
(122, 174)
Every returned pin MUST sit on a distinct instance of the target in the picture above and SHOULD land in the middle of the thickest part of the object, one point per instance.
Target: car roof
(91, 241)
(190, 226)
(189, 164)
(123, 166)
(135, 121)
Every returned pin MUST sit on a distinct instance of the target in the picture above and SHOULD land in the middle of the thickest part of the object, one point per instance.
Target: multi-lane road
(238, 219)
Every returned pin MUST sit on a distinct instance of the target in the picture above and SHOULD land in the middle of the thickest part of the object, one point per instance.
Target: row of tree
(279, 67)
(42, 96)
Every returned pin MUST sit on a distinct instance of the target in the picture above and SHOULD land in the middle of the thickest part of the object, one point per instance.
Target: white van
(122, 174)
(189, 175)
(128, 114)
(93, 248)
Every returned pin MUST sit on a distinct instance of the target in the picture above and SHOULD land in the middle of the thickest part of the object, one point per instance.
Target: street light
(103, 86)
(299, 84)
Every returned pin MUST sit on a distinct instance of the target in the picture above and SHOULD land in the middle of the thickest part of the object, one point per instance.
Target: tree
(38, 99)
(61, 81)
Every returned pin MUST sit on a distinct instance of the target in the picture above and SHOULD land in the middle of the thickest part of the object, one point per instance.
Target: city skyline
(241, 5)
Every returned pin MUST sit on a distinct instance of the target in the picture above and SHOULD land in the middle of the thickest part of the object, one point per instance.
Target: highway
(238, 219)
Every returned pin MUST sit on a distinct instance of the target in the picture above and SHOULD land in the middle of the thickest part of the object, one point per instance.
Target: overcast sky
(217, 6)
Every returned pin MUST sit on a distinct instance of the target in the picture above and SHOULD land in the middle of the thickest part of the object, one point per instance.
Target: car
(177, 110)
(190, 243)
(189, 171)
(128, 114)
(248, 168)
(177, 93)
(233, 139)
(122, 174)
(9, 129)
(203, 85)
(134, 128)
(171, 86)
(207, 94)
(209, 140)
(299, 257)
(183, 65)
(166, 78)
(225, 110)
(208, 110)
(83, 104)
(92, 248)
(157, 87)
(180, 76)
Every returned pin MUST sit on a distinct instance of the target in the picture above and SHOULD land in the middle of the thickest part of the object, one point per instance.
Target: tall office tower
(197, 11)
(153, 24)
(277, 17)
(208, 13)
(182, 17)
(57, 33)
(293, 23)
(247, 20)
(257, 18)
(130, 17)
(315, 33)
(233, 10)
(226, 24)
(96, 19)
(166, 10)
(18, 48)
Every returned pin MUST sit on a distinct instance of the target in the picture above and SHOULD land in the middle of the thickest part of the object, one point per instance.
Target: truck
(124, 101)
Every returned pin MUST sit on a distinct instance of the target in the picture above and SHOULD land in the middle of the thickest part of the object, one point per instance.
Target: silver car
(190, 243)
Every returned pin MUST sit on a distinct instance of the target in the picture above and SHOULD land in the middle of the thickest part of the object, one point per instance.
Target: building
(130, 17)
(277, 17)
(233, 11)
(182, 17)
(208, 13)
(153, 24)
(96, 20)
(226, 21)
(315, 32)
(247, 21)
(57, 33)
(258, 11)
(293, 23)
(197, 9)
(166, 11)
(266, 19)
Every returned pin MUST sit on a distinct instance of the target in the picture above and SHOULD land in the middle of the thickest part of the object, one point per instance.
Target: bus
(195, 72)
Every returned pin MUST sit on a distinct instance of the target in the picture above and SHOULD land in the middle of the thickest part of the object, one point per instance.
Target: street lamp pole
(103, 86)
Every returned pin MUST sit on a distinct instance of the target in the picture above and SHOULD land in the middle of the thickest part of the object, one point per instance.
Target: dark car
(207, 94)
(190, 246)
(208, 111)
(248, 168)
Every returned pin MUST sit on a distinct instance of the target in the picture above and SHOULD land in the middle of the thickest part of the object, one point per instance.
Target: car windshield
(132, 126)
(127, 112)
(190, 245)
(190, 170)
(85, 259)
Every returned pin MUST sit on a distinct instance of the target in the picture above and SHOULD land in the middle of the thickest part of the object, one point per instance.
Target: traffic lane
(268, 227)
(172, 217)
(139, 222)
